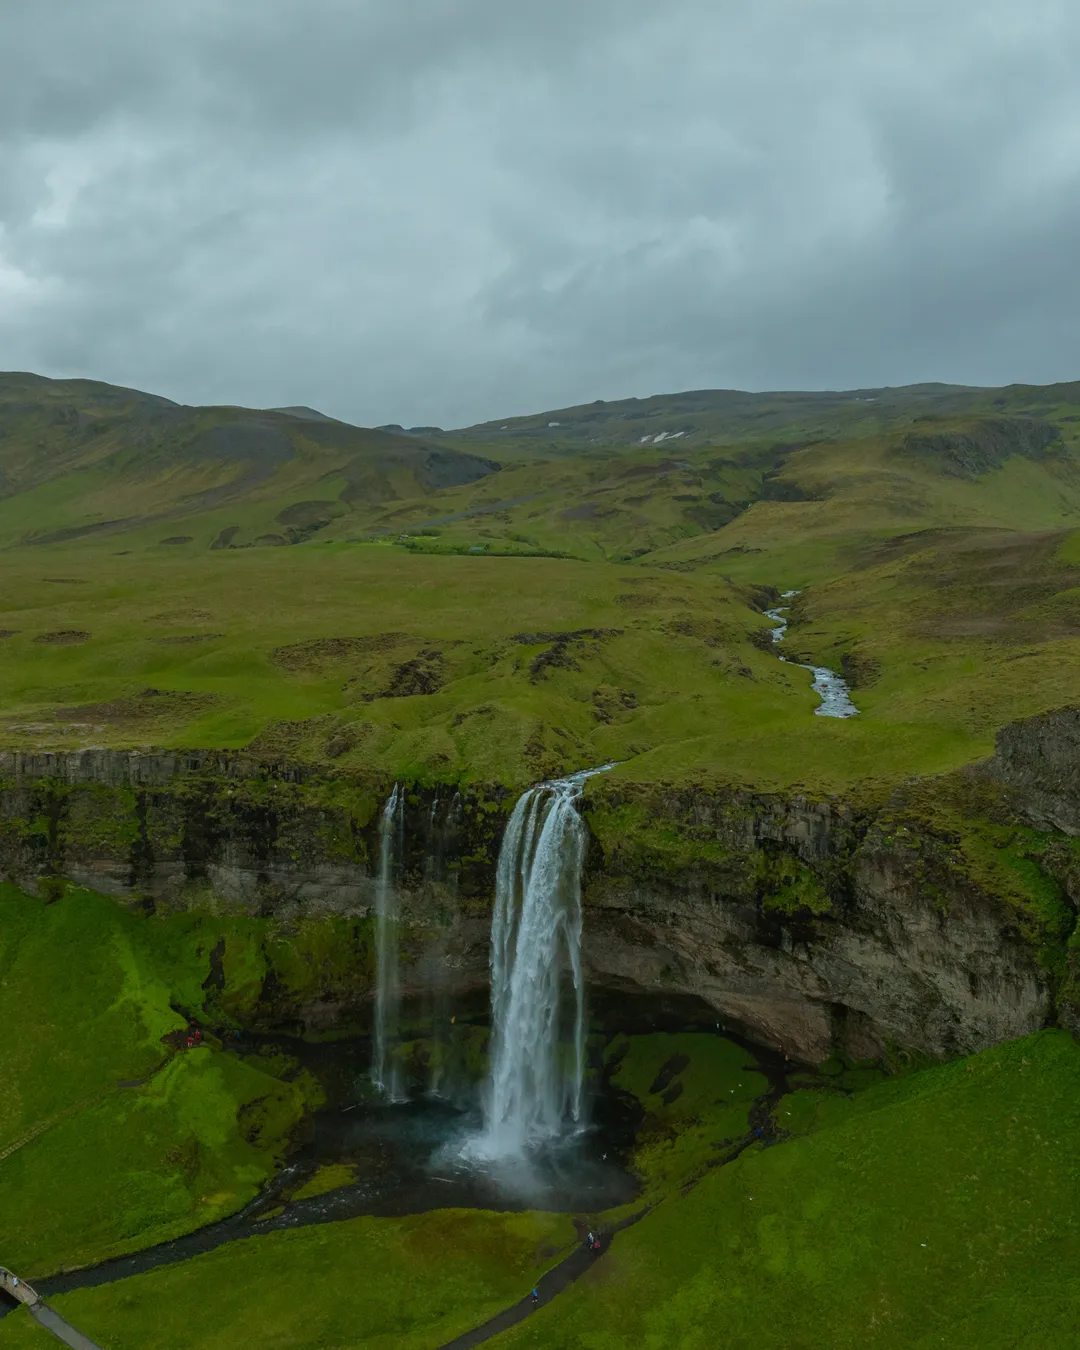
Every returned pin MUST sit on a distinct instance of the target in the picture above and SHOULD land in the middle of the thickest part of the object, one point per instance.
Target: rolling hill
(508, 600)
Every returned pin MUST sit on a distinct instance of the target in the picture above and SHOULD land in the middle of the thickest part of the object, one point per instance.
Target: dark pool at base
(409, 1157)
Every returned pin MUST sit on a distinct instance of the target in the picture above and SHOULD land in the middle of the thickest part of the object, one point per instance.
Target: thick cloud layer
(449, 210)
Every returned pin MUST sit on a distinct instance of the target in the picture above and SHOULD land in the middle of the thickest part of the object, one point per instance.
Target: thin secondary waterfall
(385, 1072)
(536, 1083)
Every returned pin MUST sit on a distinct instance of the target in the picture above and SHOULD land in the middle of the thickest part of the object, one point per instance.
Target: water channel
(830, 688)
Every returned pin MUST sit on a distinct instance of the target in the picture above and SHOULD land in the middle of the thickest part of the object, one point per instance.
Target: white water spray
(536, 1079)
(385, 1072)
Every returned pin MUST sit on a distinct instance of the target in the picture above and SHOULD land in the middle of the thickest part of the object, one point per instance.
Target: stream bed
(831, 688)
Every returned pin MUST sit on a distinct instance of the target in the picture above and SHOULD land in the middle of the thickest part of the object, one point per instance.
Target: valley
(295, 725)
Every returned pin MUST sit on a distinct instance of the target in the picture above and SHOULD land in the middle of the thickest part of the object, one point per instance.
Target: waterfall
(535, 1086)
(385, 1073)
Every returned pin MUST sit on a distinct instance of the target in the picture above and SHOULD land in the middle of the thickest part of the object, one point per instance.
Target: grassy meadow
(114, 1135)
(507, 603)
(934, 1208)
(373, 1284)
(938, 1209)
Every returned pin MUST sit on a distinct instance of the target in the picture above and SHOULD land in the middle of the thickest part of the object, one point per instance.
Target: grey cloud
(437, 211)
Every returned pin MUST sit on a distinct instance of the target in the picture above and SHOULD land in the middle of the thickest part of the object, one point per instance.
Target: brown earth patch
(347, 738)
(8, 632)
(609, 702)
(309, 515)
(177, 539)
(597, 634)
(485, 710)
(711, 631)
(63, 637)
(564, 649)
(320, 653)
(865, 556)
(424, 674)
(665, 466)
(182, 616)
(859, 668)
(225, 538)
(287, 738)
(981, 583)
(150, 705)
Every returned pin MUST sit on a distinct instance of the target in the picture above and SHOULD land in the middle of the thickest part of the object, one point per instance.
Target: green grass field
(561, 600)
(370, 1284)
(110, 1139)
(939, 1209)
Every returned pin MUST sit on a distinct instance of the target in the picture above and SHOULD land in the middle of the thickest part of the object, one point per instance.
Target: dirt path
(63, 1331)
(558, 1279)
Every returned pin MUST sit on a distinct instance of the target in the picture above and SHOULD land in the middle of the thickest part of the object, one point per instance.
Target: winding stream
(830, 688)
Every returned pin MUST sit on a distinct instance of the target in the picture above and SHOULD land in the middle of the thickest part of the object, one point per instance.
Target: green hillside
(505, 604)
(80, 459)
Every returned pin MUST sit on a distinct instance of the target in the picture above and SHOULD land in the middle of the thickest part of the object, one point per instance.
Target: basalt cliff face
(822, 930)
(937, 922)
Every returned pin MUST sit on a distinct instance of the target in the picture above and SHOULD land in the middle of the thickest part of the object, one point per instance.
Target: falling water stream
(385, 1072)
(538, 1034)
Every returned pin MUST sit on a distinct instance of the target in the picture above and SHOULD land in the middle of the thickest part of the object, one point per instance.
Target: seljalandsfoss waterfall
(530, 1095)
(537, 987)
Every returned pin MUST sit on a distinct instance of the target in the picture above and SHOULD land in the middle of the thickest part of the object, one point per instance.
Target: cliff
(934, 923)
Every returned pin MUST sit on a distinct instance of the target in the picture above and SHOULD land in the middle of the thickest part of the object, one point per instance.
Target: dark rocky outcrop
(984, 444)
(813, 927)
(1039, 759)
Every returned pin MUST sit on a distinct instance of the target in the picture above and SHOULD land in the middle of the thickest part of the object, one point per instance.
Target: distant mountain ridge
(728, 414)
(79, 457)
(305, 414)
(655, 477)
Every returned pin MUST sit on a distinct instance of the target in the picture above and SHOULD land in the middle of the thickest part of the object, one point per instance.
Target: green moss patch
(696, 1091)
(110, 1139)
(329, 1177)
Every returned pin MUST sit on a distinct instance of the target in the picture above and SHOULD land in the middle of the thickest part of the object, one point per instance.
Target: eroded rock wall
(935, 923)
(868, 943)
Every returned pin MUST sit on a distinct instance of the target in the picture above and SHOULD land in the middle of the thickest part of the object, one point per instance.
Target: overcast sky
(443, 211)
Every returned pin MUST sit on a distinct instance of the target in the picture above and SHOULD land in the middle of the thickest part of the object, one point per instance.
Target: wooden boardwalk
(45, 1316)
